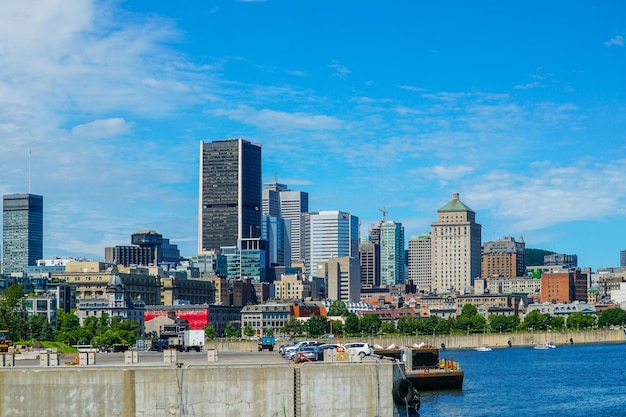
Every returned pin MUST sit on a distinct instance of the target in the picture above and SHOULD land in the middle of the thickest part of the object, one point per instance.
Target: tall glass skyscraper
(230, 193)
(329, 234)
(391, 253)
(22, 228)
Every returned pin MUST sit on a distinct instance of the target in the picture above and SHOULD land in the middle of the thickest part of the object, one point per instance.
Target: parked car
(312, 353)
(358, 348)
(288, 350)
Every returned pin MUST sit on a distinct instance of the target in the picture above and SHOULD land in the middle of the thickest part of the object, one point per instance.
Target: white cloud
(528, 86)
(279, 120)
(102, 128)
(618, 40)
(341, 71)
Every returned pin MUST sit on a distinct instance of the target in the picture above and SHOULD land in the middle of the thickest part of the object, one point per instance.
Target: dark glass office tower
(230, 193)
(22, 231)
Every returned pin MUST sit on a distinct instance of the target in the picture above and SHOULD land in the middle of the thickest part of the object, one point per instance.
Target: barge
(425, 369)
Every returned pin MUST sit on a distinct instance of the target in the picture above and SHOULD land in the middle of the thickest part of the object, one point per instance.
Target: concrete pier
(277, 390)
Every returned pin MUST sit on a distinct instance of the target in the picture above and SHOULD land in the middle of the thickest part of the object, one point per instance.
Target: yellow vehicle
(5, 341)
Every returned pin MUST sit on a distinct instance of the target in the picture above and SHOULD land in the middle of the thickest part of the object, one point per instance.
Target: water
(576, 380)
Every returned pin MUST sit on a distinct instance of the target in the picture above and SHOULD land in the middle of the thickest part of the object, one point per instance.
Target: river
(571, 380)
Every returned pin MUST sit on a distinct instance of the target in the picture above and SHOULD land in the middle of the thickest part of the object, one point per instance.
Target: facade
(250, 262)
(292, 205)
(342, 277)
(369, 259)
(263, 317)
(116, 303)
(192, 290)
(22, 231)
(564, 287)
(420, 261)
(456, 248)
(557, 259)
(622, 258)
(504, 258)
(293, 287)
(42, 306)
(502, 285)
(391, 253)
(275, 230)
(329, 234)
(230, 193)
(271, 199)
(91, 279)
(148, 248)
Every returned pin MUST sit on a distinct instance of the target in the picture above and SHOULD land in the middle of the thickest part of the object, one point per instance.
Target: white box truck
(193, 339)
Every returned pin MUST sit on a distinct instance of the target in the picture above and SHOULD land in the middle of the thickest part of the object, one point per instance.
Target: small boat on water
(544, 346)
(424, 369)
(483, 348)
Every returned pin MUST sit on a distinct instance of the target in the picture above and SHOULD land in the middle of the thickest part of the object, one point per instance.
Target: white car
(358, 348)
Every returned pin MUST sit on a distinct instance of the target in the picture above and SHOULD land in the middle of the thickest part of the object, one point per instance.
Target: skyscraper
(22, 228)
(292, 205)
(420, 263)
(329, 234)
(391, 253)
(504, 258)
(230, 193)
(456, 248)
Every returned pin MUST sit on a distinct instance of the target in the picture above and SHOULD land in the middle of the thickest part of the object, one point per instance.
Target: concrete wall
(461, 341)
(285, 390)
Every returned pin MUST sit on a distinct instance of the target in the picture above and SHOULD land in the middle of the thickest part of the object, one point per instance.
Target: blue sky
(518, 107)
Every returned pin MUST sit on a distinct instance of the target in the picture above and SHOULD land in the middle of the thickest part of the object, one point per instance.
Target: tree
(317, 326)
(578, 320)
(469, 310)
(231, 331)
(248, 331)
(557, 323)
(612, 317)
(269, 331)
(352, 324)
(370, 324)
(292, 327)
(388, 327)
(536, 321)
(12, 315)
(338, 308)
(209, 332)
(407, 325)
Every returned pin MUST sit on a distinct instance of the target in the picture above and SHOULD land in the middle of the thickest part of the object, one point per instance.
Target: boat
(544, 346)
(483, 348)
(424, 369)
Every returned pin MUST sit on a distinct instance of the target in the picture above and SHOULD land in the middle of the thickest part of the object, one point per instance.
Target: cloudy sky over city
(365, 105)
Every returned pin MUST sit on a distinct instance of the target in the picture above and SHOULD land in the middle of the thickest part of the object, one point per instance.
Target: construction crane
(382, 210)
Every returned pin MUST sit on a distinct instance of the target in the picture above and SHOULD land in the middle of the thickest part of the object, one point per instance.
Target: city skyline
(364, 106)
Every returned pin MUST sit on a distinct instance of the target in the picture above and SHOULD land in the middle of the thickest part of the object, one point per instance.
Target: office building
(22, 228)
(504, 258)
(275, 230)
(456, 248)
(369, 259)
(558, 259)
(391, 253)
(280, 201)
(329, 234)
(420, 261)
(230, 193)
(342, 277)
(148, 248)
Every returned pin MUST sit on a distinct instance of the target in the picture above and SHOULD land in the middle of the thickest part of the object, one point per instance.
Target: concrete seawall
(462, 341)
(277, 390)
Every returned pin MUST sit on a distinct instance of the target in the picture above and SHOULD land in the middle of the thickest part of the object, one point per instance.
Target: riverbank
(464, 341)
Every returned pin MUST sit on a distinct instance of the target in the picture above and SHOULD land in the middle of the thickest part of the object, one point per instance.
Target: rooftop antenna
(29, 169)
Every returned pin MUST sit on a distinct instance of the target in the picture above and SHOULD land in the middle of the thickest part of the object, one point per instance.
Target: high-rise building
(622, 258)
(556, 259)
(456, 248)
(271, 198)
(420, 261)
(391, 253)
(342, 278)
(276, 231)
(148, 248)
(504, 258)
(230, 193)
(329, 234)
(292, 205)
(369, 259)
(22, 228)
